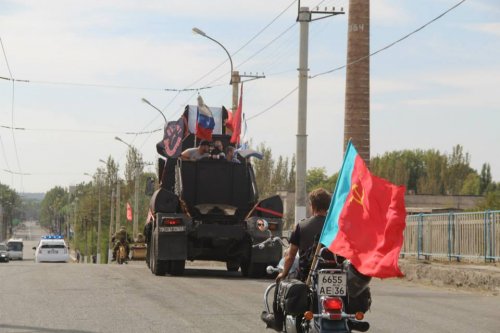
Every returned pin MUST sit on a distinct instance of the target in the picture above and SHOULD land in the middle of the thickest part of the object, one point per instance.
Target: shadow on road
(22, 328)
(214, 273)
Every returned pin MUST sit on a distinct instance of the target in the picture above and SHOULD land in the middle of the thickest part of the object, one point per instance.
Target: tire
(232, 266)
(152, 265)
(245, 267)
(161, 267)
(177, 267)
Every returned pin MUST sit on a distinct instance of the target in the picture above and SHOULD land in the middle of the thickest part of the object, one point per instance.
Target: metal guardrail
(453, 236)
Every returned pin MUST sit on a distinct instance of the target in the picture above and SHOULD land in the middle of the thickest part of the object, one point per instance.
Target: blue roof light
(52, 237)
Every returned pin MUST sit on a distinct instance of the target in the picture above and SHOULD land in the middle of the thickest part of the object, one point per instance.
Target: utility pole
(301, 150)
(135, 227)
(304, 17)
(99, 229)
(117, 227)
(235, 81)
(111, 220)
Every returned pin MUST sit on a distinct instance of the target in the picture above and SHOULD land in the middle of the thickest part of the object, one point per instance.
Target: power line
(276, 103)
(98, 85)
(66, 130)
(244, 45)
(391, 44)
(362, 58)
(12, 113)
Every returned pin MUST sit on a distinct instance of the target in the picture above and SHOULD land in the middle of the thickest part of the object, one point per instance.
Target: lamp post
(154, 107)
(235, 75)
(135, 227)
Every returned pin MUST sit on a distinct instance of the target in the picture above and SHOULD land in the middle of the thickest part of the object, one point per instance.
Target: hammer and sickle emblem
(356, 196)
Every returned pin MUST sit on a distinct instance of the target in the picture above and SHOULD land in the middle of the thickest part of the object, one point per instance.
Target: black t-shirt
(305, 232)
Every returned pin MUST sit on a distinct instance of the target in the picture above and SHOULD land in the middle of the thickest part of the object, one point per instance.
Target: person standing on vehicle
(231, 156)
(305, 232)
(195, 154)
(217, 152)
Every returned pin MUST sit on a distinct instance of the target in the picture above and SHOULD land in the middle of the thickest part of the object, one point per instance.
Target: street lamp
(201, 33)
(235, 75)
(149, 103)
(119, 139)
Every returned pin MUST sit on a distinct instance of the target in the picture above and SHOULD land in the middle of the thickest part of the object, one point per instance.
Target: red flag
(370, 213)
(129, 212)
(236, 121)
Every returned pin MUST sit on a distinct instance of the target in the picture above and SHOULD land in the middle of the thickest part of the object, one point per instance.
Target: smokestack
(357, 96)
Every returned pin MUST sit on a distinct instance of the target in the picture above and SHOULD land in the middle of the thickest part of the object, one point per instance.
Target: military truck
(210, 210)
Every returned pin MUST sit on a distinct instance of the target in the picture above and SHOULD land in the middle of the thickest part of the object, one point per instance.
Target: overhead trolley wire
(391, 44)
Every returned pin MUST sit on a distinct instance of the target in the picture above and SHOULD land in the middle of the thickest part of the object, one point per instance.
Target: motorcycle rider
(302, 238)
(121, 236)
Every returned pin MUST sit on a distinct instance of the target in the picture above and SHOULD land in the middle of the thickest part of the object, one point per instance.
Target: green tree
(458, 169)
(315, 178)
(471, 185)
(491, 201)
(485, 178)
(264, 171)
(52, 215)
(10, 203)
(434, 171)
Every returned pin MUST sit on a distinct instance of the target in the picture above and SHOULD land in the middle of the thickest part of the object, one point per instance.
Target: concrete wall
(433, 203)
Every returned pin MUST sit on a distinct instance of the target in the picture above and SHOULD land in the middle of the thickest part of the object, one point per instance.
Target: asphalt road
(128, 298)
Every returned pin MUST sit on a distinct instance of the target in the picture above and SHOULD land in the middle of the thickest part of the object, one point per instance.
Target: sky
(89, 64)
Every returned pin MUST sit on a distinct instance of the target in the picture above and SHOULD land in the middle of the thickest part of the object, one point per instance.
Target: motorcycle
(335, 301)
(121, 253)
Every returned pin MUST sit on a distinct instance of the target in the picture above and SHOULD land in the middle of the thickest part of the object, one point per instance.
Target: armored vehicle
(209, 210)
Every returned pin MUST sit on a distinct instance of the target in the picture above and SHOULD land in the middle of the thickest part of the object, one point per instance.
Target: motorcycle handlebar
(269, 241)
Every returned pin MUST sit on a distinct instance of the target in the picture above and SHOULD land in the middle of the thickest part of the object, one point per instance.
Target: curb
(467, 276)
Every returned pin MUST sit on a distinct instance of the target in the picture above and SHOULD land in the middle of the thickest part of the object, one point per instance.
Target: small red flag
(129, 212)
(236, 121)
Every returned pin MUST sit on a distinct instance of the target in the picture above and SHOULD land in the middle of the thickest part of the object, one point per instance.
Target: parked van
(15, 248)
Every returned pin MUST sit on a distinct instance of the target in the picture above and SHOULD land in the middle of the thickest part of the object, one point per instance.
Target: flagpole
(313, 264)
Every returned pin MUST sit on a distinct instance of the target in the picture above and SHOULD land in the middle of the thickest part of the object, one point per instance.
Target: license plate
(52, 251)
(172, 229)
(332, 284)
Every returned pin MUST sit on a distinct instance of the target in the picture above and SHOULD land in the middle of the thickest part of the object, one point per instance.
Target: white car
(51, 249)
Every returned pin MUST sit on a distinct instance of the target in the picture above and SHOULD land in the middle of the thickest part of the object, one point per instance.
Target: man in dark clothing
(301, 240)
(302, 237)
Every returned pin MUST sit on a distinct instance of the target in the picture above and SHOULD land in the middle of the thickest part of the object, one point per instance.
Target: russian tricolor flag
(205, 122)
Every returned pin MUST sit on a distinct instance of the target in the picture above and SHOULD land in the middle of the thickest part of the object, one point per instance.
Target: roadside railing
(454, 236)
(471, 236)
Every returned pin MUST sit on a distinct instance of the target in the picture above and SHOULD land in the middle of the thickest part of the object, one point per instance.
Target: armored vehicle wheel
(232, 266)
(177, 267)
(161, 267)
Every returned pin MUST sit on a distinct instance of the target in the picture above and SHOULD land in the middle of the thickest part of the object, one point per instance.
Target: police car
(51, 248)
